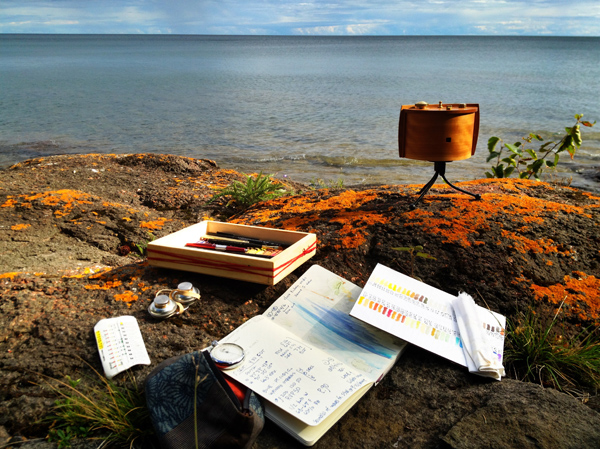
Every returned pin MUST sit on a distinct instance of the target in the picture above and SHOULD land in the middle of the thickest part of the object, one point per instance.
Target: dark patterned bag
(223, 420)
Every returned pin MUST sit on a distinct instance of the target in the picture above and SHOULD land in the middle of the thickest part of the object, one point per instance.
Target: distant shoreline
(588, 176)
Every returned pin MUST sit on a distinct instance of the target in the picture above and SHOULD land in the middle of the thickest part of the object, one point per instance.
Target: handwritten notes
(420, 314)
(297, 377)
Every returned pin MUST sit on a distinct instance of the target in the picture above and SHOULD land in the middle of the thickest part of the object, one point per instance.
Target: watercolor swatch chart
(120, 344)
(308, 358)
(421, 314)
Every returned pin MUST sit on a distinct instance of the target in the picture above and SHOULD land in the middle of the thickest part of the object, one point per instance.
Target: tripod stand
(440, 170)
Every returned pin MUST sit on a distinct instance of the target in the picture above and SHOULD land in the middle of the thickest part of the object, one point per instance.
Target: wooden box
(434, 133)
(170, 252)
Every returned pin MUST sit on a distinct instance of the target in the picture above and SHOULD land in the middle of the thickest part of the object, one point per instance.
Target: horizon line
(304, 35)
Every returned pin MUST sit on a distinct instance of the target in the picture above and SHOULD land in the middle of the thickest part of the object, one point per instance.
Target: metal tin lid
(227, 355)
(185, 293)
(163, 307)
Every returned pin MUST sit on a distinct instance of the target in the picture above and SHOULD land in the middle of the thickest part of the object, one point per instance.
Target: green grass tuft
(99, 409)
(540, 353)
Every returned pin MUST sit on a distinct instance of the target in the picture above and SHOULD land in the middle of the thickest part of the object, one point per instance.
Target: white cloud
(60, 22)
(305, 17)
(338, 30)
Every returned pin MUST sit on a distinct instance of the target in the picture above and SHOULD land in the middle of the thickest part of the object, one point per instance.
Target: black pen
(238, 242)
(249, 239)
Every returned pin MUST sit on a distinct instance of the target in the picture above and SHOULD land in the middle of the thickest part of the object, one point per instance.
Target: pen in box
(256, 252)
(236, 242)
(249, 239)
(207, 245)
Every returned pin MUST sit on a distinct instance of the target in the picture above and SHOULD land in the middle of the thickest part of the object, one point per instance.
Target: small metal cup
(185, 294)
(164, 307)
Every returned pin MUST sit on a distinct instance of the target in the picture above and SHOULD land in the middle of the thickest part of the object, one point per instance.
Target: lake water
(306, 107)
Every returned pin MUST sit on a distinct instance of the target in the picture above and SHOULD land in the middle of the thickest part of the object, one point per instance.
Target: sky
(309, 17)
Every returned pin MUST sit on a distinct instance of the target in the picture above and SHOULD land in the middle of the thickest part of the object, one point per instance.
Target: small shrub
(528, 162)
(256, 189)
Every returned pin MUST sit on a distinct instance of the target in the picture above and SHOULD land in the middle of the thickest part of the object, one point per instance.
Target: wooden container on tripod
(438, 133)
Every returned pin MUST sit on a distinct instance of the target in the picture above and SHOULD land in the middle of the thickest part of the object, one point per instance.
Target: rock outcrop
(73, 228)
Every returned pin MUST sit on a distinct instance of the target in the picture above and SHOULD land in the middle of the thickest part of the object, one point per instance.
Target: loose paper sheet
(420, 314)
(300, 379)
(120, 344)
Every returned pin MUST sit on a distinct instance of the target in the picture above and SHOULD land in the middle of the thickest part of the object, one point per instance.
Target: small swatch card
(120, 344)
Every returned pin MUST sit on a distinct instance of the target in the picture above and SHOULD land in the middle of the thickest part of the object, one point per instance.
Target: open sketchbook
(421, 314)
(308, 358)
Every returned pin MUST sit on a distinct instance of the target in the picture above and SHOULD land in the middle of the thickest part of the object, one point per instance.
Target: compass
(227, 355)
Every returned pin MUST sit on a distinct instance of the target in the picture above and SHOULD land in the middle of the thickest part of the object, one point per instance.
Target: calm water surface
(306, 107)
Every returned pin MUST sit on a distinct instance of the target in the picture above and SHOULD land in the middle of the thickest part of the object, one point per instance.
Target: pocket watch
(227, 355)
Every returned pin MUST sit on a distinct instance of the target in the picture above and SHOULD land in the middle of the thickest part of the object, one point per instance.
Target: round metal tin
(227, 355)
(185, 293)
(164, 307)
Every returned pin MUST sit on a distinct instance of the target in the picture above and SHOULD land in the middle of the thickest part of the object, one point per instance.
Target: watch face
(227, 355)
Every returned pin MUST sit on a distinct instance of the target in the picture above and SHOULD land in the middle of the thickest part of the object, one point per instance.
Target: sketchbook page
(309, 435)
(316, 308)
(302, 380)
(419, 314)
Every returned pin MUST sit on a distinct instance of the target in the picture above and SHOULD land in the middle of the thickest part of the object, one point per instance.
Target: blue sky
(310, 17)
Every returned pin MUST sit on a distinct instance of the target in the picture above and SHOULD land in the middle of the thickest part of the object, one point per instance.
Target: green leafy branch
(528, 162)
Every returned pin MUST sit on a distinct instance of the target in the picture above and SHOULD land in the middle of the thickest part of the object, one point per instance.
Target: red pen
(217, 247)
(256, 252)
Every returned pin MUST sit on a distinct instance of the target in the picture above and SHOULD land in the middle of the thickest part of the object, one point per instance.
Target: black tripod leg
(475, 195)
(424, 190)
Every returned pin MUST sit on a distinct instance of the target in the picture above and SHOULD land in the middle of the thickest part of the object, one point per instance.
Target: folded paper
(478, 349)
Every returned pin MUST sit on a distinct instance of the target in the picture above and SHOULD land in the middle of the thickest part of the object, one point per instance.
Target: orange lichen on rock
(455, 225)
(127, 297)
(464, 221)
(347, 200)
(10, 202)
(143, 287)
(344, 208)
(108, 204)
(355, 225)
(107, 285)
(20, 227)
(10, 275)
(67, 198)
(538, 220)
(64, 200)
(154, 225)
(576, 291)
(508, 185)
(525, 245)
